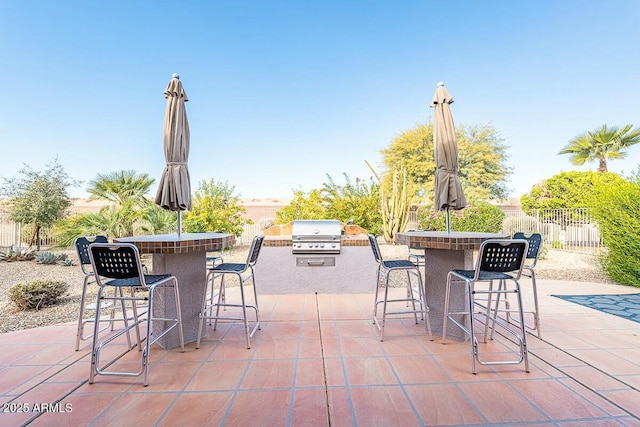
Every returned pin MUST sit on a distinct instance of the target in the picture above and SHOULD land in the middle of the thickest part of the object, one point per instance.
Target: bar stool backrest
(116, 261)
(375, 248)
(82, 248)
(535, 244)
(256, 245)
(501, 256)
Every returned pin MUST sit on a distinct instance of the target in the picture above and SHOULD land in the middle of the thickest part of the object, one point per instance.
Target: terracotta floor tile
(593, 378)
(166, 377)
(442, 404)
(557, 401)
(310, 372)
(406, 346)
(356, 328)
(382, 406)
(77, 410)
(310, 348)
(269, 374)
(136, 409)
(360, 347)
(218, 375)
(369, 371)
(499, 403)
(309, 408)
(595, 399)
(341, 407)
(276, 349)
(231, 350)
(281, 330)
(248, 404)
(609, 362)
(417, 370)
(204, 408)
(335, 372)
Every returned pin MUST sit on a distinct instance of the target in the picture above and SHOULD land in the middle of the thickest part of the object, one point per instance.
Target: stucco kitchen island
(280, 271)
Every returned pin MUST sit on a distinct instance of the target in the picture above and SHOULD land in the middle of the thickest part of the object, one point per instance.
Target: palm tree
(121, 187)
(601, 144)
(130, 211)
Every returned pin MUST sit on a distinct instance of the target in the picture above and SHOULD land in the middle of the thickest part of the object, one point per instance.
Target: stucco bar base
(438, 263)
(190, 272)
(354, 272)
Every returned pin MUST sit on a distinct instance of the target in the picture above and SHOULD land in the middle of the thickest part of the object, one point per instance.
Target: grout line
(324, 365)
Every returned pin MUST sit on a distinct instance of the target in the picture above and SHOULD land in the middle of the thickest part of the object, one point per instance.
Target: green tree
(617, 211)
(111, 221)
(605, 143)
(479, 216)
(129, 213)
(482, 162)
(357, 201)
(215, 208)
(39, 198)
(303, 206)
(572, 189)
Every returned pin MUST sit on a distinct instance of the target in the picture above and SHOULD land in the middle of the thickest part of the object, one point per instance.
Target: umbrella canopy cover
(448, 190)
(174, 190)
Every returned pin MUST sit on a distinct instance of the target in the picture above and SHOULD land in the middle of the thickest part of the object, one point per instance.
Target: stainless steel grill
(316, 236)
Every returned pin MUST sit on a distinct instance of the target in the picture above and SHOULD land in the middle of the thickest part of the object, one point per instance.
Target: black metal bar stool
(117, 265)
(213, 300)
(417, 304)
(501, 261)
(82, 249)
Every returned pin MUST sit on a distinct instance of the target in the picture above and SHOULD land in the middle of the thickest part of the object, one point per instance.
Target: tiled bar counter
(183, 256)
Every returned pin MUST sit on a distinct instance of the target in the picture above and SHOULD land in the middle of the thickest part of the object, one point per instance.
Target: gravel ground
(558, 265)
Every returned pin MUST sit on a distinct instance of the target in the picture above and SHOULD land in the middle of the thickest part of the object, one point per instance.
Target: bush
(15, 253)
(618, 213)
(482, 217)
(38, 294)
(50, 258)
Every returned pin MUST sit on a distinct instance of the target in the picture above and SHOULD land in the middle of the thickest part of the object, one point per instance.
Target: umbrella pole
(448, 216)
(179, 223)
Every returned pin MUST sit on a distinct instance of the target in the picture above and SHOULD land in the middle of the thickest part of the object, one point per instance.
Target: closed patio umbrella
(174, 190)
(448, 190)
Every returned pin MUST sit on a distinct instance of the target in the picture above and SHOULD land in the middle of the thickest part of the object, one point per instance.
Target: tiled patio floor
(317, 361)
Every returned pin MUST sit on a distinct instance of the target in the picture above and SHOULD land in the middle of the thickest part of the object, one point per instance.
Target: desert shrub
(50, 258)
(38, 294)
(15, 253)
(481, 217)
(618, 213)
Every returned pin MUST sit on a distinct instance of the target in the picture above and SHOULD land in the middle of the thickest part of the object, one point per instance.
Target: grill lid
(316, 236)
(316, 229)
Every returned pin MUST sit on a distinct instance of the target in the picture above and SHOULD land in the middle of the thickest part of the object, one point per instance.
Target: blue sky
(284, 92)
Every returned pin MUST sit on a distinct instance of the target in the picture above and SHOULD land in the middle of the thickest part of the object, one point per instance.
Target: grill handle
(318, 261)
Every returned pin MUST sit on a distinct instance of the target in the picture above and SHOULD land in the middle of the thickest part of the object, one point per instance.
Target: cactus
(395, 208)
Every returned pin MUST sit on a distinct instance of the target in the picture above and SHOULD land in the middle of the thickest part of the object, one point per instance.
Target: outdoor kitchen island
(340, 263)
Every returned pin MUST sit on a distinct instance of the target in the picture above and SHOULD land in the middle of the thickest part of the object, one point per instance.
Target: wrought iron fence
(572, 230)
(566, 229)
